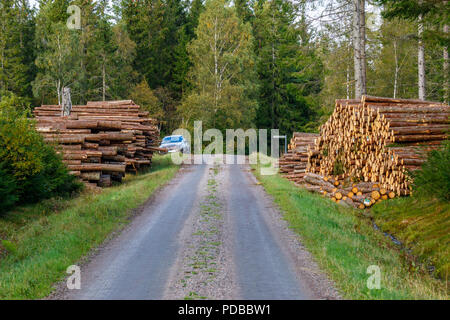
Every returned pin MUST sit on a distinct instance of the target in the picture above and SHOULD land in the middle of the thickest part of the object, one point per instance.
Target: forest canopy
(260, 63)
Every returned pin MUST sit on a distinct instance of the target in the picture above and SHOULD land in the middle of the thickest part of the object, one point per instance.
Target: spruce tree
(288, 69)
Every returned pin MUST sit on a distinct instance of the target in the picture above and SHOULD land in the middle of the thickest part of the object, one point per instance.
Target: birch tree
(421, 58)
(58, 64)
(445, 66)
(359, 44)
(222, 75)
(434, 15)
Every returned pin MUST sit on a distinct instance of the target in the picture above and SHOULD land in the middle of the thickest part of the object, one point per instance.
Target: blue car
(175, 143)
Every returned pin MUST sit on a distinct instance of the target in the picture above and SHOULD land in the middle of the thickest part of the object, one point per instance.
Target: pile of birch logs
(371, 144)
(293, 163)
(102, 140)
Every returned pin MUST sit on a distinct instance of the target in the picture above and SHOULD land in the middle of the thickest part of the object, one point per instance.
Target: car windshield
(172, 139)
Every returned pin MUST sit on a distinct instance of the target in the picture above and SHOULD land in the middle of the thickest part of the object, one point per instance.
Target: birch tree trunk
(359, 43)
(58, 91)
(104, 79)
(348, 72)
(421, 60)
(397, 69)
(362, 30)
(446, 89)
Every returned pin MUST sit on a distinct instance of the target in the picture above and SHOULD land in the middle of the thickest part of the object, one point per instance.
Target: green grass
(422, 225)
(40, 241)
(345, 244)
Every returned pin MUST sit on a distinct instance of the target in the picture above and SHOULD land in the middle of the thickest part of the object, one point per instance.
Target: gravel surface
(212, 233)
(205, 264)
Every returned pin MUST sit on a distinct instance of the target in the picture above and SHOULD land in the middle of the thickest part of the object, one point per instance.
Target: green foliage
(288, 69)
(156, 28)
(338, 167)
(30, 168)
(393, 72)
(222, 76)
(57, 62)
(145, 97)
(433, 12)
(7, 190)
(10, 247)
(16, 47)
(433, 179)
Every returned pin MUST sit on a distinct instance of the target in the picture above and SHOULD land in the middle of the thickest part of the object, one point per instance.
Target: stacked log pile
(293, 163)
(376, 141)
(101, 140)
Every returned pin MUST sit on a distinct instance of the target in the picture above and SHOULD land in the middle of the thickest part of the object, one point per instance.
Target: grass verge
(345, 244)
(40, 241)
(422, 225)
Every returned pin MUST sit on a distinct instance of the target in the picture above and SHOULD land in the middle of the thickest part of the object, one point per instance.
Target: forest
(261, 63)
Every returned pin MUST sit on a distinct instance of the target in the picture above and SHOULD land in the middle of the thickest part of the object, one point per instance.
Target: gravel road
(212, 233)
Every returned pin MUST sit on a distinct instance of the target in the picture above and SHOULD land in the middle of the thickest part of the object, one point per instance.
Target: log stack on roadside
(293, 163)
(101, 140)
(359, 195)
(375, 142)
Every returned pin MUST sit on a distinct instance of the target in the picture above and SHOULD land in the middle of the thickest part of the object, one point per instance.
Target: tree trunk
(396, 69)
(421, 60)
(446, 89)
(58, 91)
(359, 47)
(362, 30)
(348, 75)
(104, 80)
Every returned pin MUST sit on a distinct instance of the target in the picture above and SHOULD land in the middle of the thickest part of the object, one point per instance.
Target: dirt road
(212, 233)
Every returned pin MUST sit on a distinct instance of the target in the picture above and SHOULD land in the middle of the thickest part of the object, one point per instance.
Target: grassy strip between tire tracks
(345, 244)
(42, 240)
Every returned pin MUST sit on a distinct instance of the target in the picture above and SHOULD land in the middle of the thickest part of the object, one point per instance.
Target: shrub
(30, 169)
(433, 179)
(8, 191)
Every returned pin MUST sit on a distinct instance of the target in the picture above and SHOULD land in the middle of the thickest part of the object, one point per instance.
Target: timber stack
(373, 143)
(293, 163)
(102, 140)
